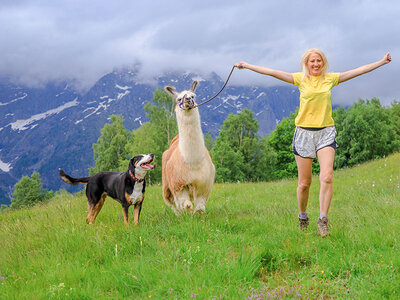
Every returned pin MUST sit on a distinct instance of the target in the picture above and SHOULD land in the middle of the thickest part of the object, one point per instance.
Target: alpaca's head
(184, 100)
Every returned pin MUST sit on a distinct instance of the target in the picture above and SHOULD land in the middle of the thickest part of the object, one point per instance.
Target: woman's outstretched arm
(364, 69)
(288, 77)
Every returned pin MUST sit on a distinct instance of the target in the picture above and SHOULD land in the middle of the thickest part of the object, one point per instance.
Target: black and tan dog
(127, 188)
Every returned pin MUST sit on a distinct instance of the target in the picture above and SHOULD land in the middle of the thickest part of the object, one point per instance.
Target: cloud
(79, 41)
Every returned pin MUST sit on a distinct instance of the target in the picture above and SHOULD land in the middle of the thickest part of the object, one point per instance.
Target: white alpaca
(187, 169)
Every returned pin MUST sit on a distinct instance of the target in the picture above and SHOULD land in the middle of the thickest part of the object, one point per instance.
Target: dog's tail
(70, 180)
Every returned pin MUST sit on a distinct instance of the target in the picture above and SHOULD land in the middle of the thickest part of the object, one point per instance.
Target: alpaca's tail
(70, 180)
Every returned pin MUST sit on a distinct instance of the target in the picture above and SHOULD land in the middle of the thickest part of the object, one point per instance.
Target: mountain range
(44, 128)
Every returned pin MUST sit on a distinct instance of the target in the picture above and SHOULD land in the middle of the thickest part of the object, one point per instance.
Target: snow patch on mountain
(5, 167)
(138, 119)
(122, 87)
(226, 101)
(261, 95)
(259, 113)
(14, 100)
(24, 124)
(121, 95)
(95, 110)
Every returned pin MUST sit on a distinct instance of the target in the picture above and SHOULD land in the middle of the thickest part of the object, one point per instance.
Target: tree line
(366, 130)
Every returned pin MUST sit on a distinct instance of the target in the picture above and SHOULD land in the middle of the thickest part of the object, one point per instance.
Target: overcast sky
(81, 40)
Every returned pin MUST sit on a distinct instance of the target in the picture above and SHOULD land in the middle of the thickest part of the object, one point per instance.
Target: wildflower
(193, 295)
(1, 277)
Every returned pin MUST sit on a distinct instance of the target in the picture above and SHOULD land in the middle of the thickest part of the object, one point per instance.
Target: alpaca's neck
(191, 140)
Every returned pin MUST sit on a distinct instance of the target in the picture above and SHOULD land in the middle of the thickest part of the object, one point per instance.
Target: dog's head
(186, 99)
(140, 164)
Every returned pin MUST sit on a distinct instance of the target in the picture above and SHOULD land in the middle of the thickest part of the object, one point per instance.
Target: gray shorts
(307, 141)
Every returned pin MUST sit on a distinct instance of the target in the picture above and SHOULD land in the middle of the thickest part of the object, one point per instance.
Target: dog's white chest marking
(136, 193)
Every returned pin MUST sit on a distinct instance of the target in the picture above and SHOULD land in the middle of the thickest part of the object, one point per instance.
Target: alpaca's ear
(194, 85)
(171, 90)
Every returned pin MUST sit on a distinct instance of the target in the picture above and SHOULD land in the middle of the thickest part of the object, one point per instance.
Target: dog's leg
(99, 206)
(94, 209)
(125, 210)
(136, 212)
(91, 208)
(92, 201)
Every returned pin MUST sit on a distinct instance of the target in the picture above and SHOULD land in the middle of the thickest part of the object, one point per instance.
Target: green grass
(246, 246)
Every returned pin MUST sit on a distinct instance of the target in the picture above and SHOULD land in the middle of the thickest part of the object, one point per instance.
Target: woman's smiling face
(315, 64)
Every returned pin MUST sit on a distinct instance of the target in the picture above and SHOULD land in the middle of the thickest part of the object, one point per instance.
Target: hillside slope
(247, 245)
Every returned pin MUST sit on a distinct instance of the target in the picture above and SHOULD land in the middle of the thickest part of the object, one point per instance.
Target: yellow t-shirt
(315, 99)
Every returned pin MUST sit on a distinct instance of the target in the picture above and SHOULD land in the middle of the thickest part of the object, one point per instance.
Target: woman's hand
(387, 58)
(241, 65)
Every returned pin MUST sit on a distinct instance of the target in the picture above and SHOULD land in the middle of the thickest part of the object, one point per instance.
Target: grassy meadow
(247, 246)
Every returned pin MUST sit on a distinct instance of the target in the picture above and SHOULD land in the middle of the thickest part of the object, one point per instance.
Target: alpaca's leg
(200, 203)
(174, 208)
(182, 201)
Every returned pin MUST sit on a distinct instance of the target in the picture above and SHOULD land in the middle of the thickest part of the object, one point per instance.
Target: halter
(181, 104)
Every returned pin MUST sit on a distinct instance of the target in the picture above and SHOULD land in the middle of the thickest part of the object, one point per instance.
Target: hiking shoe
(322, 228)
(303, 223)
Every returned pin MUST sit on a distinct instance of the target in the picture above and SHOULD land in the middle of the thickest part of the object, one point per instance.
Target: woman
(315, 131)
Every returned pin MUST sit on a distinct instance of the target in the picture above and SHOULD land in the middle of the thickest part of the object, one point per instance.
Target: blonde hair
(305, 58)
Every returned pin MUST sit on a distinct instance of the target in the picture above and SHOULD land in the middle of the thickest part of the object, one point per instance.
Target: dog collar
(134, 178)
